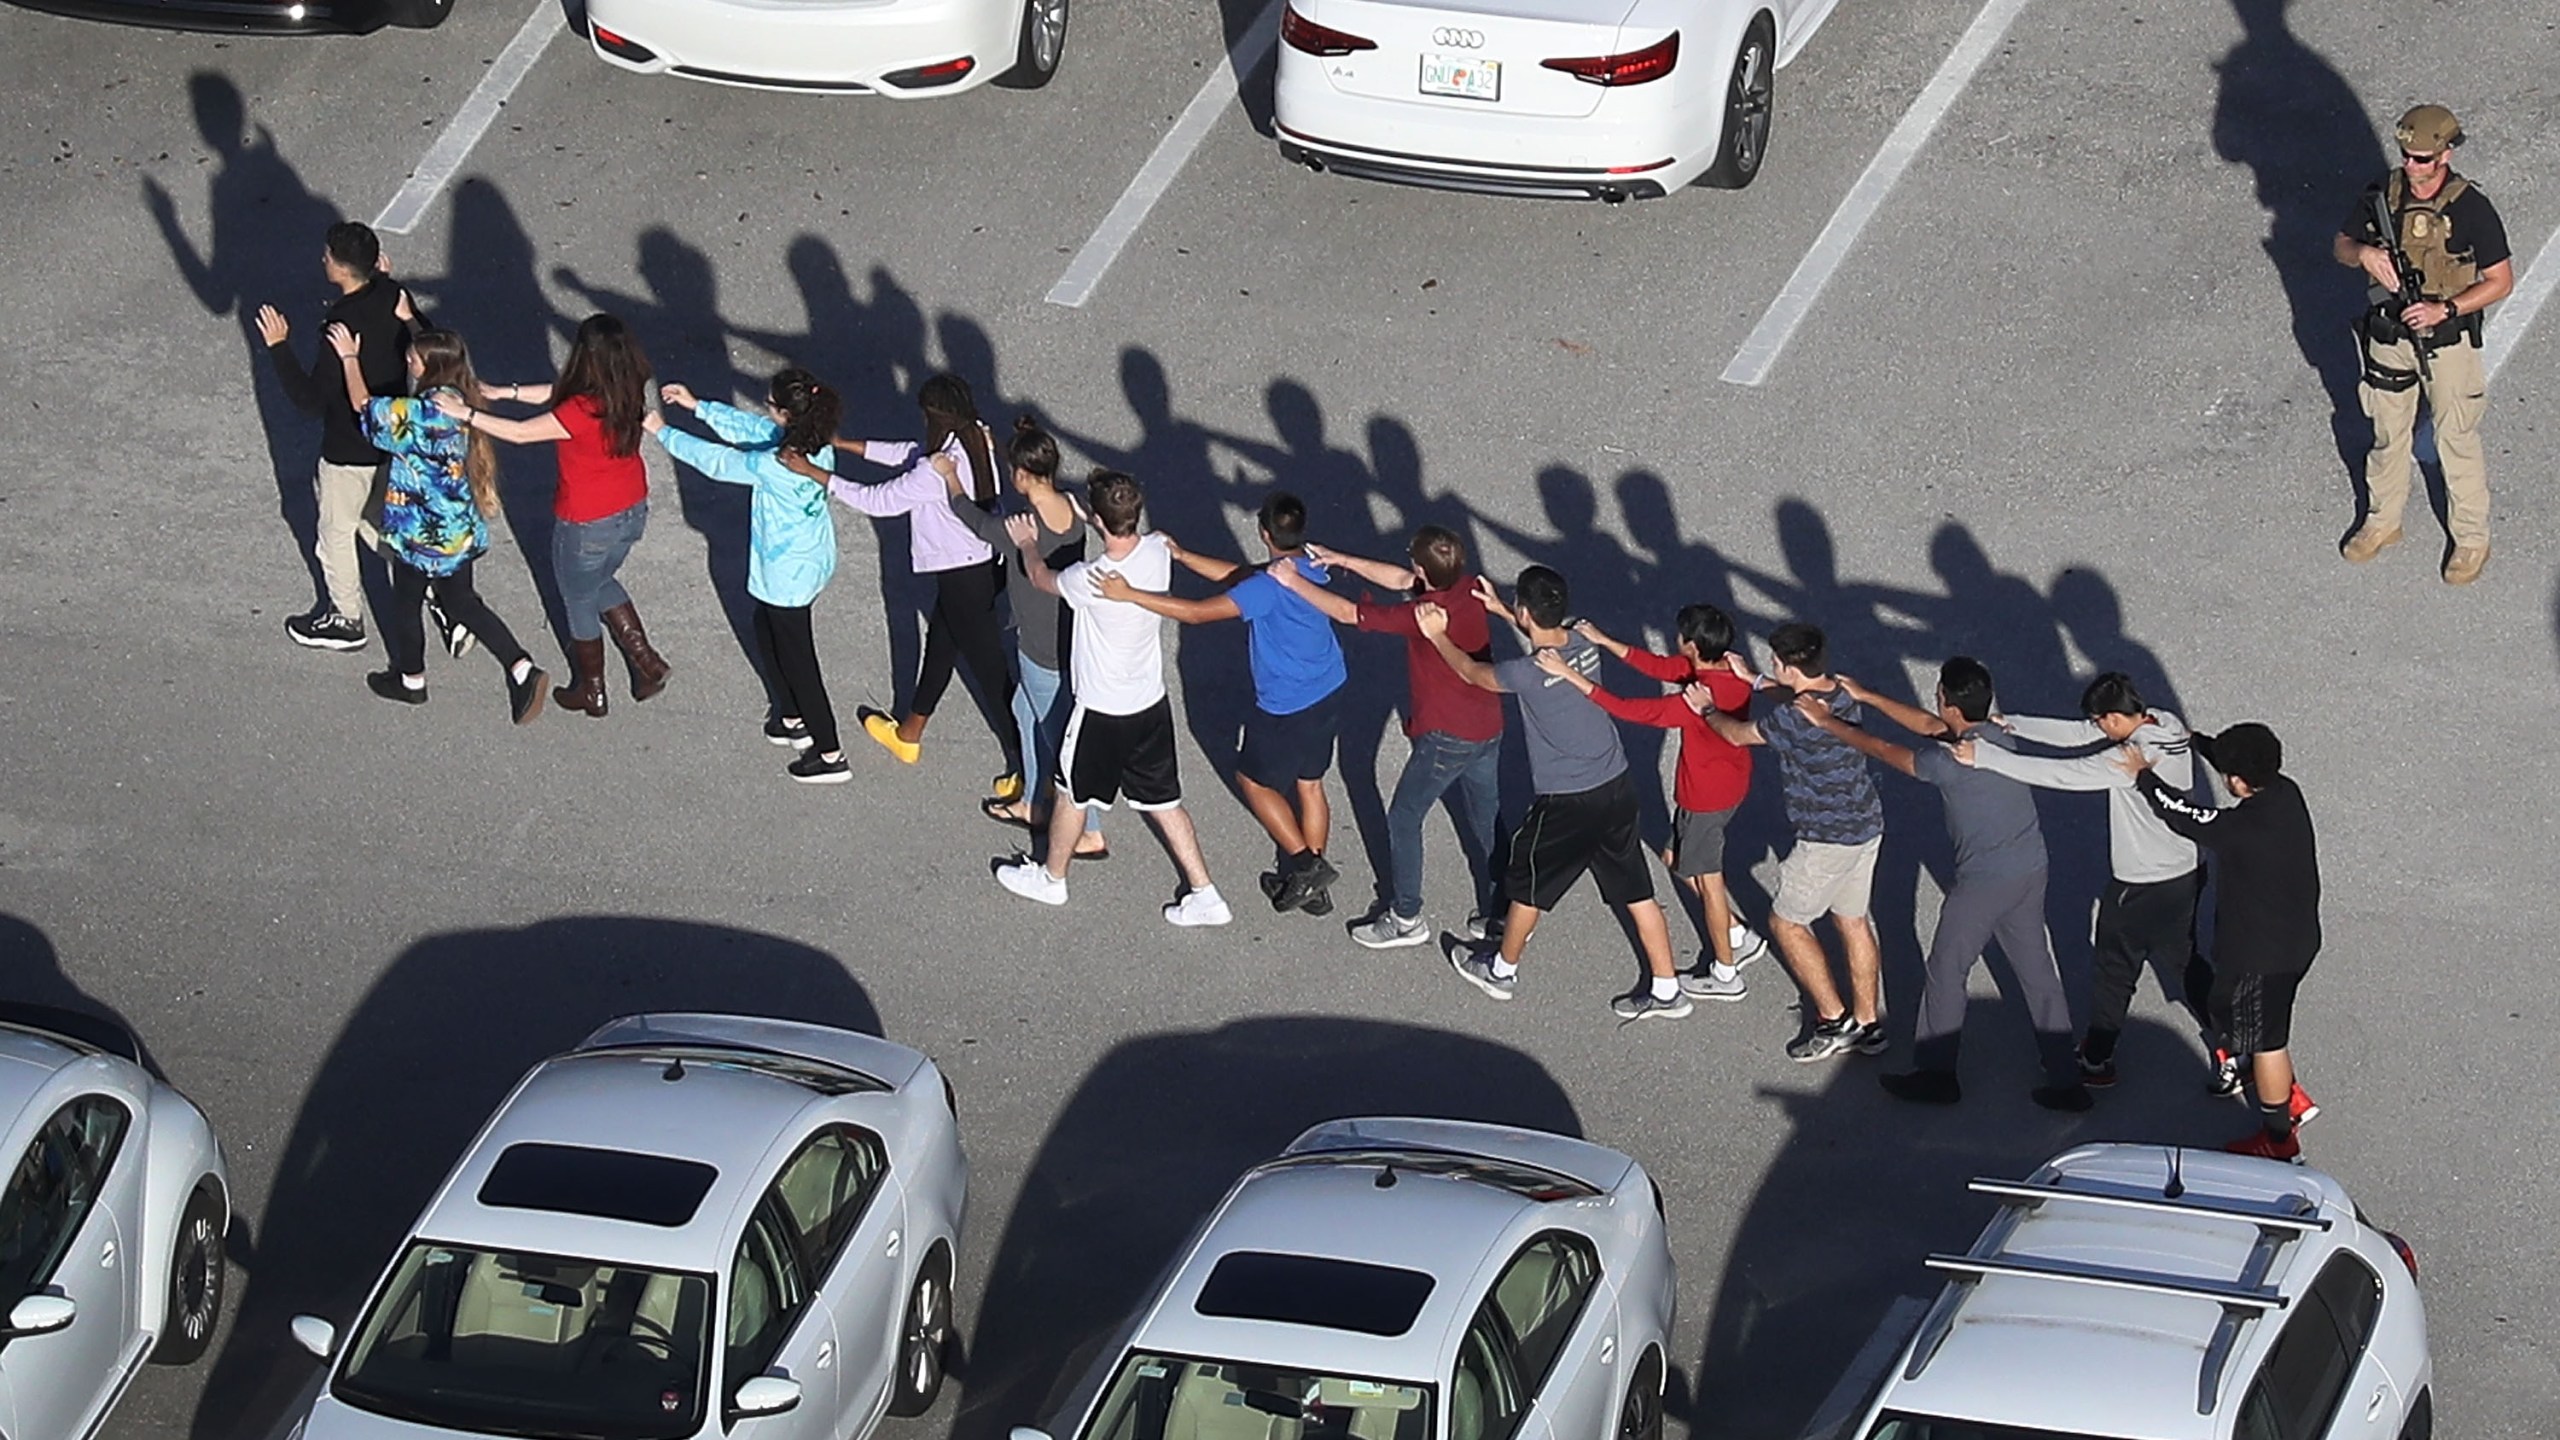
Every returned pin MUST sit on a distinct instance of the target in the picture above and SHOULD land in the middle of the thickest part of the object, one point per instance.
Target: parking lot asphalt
(2067, 405)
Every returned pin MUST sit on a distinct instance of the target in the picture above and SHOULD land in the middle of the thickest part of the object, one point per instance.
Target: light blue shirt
(791, 536)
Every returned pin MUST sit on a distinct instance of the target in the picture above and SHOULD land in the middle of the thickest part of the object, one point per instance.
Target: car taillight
(1304, 34)
(925, 77)
(623, 47)
(2401, 1248)
(1635, 67)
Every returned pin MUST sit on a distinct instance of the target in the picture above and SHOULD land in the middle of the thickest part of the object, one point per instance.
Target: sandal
(1006, 812)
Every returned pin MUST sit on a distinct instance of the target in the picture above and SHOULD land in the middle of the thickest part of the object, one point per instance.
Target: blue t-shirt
(1296, 659)
(1830, 797)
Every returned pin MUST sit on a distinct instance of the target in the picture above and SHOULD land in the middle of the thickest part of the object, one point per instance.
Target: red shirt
(1442, 703)
(1714, 772)
(594, 483)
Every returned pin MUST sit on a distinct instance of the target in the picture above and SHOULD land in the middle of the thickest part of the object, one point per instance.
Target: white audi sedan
(1611, 101)
(903, 48)
(1392, 1279)
(111, 1223)
(688, 1224)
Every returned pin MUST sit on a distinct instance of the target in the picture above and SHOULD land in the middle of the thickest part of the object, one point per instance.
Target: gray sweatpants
(2009, 910)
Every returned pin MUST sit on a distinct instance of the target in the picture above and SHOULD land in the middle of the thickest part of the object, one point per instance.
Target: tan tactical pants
(2457, 395)
(342, 491)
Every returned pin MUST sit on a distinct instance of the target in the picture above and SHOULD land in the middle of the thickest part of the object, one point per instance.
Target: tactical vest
(2426, 235)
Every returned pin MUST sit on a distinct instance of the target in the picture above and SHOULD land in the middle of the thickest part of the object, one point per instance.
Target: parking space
(2064, 405)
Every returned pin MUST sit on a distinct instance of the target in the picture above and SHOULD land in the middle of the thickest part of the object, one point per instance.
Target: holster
(2378, 328)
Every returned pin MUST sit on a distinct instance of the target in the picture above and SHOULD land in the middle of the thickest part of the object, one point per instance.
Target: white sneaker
(1032, 881)
(1203, 906)
(1747, 945)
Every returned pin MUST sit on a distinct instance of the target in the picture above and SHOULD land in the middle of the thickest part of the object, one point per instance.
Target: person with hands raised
(438, 497)
(1584, 819)
(791, 545)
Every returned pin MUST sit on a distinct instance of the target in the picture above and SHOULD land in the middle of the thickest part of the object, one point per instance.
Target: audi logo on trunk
(1457, 39)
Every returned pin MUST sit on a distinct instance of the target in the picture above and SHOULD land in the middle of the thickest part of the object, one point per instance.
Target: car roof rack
(2242, 1299)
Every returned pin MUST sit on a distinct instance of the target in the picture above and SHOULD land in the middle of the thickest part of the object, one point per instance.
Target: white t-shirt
(1117, 661)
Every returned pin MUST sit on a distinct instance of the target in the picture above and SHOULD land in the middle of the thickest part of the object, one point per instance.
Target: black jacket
(2267, 867)
(382, 355)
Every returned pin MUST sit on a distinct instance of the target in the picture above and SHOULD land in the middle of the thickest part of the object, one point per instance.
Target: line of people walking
(1073, 693)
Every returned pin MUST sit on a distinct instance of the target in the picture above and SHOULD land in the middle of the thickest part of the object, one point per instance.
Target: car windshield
(543, 1346)
(1897, 1426)
(1159, 1396)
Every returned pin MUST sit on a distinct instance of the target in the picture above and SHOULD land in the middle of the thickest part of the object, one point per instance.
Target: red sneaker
(2305, 1109)
(2266, 1146)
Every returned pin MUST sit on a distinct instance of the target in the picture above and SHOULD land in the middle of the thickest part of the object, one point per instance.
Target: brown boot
(648, 668)
(585, 691)
(2466, 563)
(2371, 539)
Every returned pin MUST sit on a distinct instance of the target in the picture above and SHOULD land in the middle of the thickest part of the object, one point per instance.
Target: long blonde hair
(444, 361)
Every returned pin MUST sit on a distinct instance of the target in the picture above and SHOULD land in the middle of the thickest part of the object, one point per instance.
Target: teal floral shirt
(429, 519)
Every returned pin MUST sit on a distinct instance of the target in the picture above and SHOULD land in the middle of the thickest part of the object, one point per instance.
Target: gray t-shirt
(1990, 817)
(1573, 744)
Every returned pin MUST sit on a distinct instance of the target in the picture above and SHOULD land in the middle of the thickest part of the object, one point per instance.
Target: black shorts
(1104, 757)
(2254, 1013)
(1281, 750)
(1564, 835)
(1697, 843)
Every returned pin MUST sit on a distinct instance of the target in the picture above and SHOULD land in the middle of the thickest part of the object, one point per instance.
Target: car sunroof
(607, 1184)
(1312, 1290)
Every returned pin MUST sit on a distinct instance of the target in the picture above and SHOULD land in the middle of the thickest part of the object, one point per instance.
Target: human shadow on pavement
(2285, 112)
(1156, 1133)
(421, 1062)
(1865, 1186)
(37, 984)
(267, 230)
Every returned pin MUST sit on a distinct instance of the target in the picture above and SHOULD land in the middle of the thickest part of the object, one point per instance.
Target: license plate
(1464, 76)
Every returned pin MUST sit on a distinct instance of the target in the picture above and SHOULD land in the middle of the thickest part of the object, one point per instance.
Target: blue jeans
(584, 557)
(1041, 706)
(1438, 762)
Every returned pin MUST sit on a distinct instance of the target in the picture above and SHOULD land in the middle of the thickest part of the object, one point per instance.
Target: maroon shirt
(1442, 703)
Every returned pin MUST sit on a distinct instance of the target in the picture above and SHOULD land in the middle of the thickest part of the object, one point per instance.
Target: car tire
(1640, 1414)
(924, 1338)
(1750, 90)
(195, 1282)
(1042, 46)
(2421, 1424)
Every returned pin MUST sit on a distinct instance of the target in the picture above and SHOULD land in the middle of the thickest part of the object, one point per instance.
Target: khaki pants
(342, 490)
(2457, 395)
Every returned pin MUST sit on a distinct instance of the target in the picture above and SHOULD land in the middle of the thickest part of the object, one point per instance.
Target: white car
(903, 48)
(2142, 1291)
(690, 1225)
(1599, 99)
(111, 1223)
(1393, 1279)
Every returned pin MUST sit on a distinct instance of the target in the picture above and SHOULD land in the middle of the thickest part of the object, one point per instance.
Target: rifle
(2387, 225)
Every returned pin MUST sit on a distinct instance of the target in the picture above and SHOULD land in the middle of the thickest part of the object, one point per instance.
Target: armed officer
(2422, 335)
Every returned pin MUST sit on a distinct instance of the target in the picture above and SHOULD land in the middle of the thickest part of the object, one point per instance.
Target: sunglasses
(2412, 157)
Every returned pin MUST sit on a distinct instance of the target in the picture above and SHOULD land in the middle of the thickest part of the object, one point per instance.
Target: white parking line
(471, 121)
(2517, 313)
(1859, 1383)
(1759, 352)
(1085, 271)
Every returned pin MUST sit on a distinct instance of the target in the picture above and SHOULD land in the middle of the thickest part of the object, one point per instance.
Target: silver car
(1393, 1279)
(111, 1223)
(689, 1225)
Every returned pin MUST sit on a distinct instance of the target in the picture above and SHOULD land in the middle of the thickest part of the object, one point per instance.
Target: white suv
(2139, 1290)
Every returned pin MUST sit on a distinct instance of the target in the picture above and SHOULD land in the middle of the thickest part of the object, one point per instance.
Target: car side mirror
(41, 1315)
(767, 1395)
(315, 1335)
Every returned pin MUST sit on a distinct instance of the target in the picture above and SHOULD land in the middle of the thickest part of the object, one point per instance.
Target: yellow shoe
(885, 730)
(2466, 564)
(1008, 787)
(2369, 540)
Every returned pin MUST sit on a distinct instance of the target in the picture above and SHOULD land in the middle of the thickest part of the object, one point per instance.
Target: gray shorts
(1818, 879)
(1697, 843)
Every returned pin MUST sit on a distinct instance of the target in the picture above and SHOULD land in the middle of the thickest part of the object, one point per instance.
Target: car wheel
(195, 1283)
(2421, 1424)
(1748, 91)
(1640, 1418)
(924, 1341)
(1044, 44)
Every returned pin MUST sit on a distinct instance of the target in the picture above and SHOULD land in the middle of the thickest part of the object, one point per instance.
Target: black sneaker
(1275, 888)
(1870, 1039)
(1823, 1039)
(458, 641)
(524, 697)
(326, 629)
(794, 734)
(1923, 1087)
(386, 683)
(2226, 1073)
(2097, 1074)
(816, 769)
(1306, 886)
